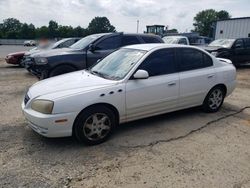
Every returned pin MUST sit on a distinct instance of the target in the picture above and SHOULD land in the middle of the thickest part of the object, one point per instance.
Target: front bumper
(33, 68)
(11, 60)
(45, 125)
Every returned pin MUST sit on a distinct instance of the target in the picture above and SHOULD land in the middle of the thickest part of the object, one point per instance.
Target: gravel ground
(183, 149)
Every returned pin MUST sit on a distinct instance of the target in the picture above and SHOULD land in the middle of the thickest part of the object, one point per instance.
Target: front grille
(26, 98)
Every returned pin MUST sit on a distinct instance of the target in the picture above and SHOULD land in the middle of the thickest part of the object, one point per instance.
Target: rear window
(151, 39)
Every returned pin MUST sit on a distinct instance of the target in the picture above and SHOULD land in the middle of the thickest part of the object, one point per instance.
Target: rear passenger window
(193, 59)
(159, 62)
(109, 43)
(148, 39)
(129, 40)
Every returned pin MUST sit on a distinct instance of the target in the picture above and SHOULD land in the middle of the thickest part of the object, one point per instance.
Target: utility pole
(137, 26)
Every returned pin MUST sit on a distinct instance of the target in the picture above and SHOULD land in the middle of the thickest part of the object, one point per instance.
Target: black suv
(83, 53)
(237, 50)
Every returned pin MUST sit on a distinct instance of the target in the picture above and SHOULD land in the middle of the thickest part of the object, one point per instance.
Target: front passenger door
(158, 93)
(239, 51)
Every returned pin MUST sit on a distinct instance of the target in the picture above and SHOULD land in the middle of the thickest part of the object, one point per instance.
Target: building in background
(232, 28)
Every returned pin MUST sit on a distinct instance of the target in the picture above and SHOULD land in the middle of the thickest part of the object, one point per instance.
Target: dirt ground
(183, 149)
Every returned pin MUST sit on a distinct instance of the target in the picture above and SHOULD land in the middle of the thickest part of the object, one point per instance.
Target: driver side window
(239, 43)
(159, 62)
(109, 43)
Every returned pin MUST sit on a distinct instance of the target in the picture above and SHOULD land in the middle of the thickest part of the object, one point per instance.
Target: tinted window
(159, 62)
(247, 43)
(182, 41)
(129, 40)
(207, 61)
(239, 43)
(67, 43)
(193, 59)
(148, 39)
(109, 43)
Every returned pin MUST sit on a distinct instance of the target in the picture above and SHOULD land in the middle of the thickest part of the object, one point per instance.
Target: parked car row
(237, 50)
(82, 54)
(18, 58)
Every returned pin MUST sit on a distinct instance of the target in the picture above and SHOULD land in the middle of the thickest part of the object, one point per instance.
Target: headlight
(41, 60)
(43, 106)
(214, 53)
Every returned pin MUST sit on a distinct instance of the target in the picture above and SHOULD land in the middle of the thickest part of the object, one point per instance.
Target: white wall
(238, 28)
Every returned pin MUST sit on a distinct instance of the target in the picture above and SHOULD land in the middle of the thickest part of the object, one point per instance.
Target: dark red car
(14, 58)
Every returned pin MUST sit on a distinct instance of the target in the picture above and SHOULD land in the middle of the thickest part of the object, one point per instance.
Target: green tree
(27, 31)
(53, 29)
(65, 31)
(203, 21)
(10, 28)
(42, 32)
(100, 25)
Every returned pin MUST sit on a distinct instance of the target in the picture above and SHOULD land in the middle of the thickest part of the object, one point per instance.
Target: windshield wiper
(97, 73)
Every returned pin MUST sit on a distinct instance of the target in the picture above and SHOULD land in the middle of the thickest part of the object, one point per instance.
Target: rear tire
(214, 99)
(61, 70)
(94, 125)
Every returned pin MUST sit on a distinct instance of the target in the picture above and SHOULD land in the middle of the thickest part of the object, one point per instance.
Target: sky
(123, 14)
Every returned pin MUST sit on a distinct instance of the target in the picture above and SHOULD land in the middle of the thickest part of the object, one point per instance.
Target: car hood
(67, 84)
(53, 52)
(212, 48)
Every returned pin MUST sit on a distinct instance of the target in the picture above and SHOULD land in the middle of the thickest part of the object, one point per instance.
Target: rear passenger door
(197, 76)
(103, 48)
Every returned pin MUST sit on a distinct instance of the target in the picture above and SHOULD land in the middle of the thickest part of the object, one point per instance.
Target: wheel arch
(62, 64)
(110, 106)
(221, 85)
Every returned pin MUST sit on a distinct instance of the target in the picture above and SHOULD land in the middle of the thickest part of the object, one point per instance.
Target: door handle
(171, 83)
(210, 76)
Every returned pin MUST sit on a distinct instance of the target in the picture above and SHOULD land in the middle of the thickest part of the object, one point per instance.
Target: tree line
(12, 28)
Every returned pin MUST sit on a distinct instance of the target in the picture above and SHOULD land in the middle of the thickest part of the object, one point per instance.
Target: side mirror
(92, 47)
(141, 74)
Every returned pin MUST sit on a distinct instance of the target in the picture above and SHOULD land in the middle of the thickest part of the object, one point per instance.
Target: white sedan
(132, 83)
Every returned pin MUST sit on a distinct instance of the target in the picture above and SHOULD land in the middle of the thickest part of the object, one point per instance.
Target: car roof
(149, 47)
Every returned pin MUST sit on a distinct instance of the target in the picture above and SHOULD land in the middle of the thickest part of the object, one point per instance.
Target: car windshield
(170, 40)
(226, 43)
(83, 43)
(117, 65)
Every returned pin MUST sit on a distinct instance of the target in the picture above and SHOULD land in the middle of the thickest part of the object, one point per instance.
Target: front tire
(94, 125)
(214, 99)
